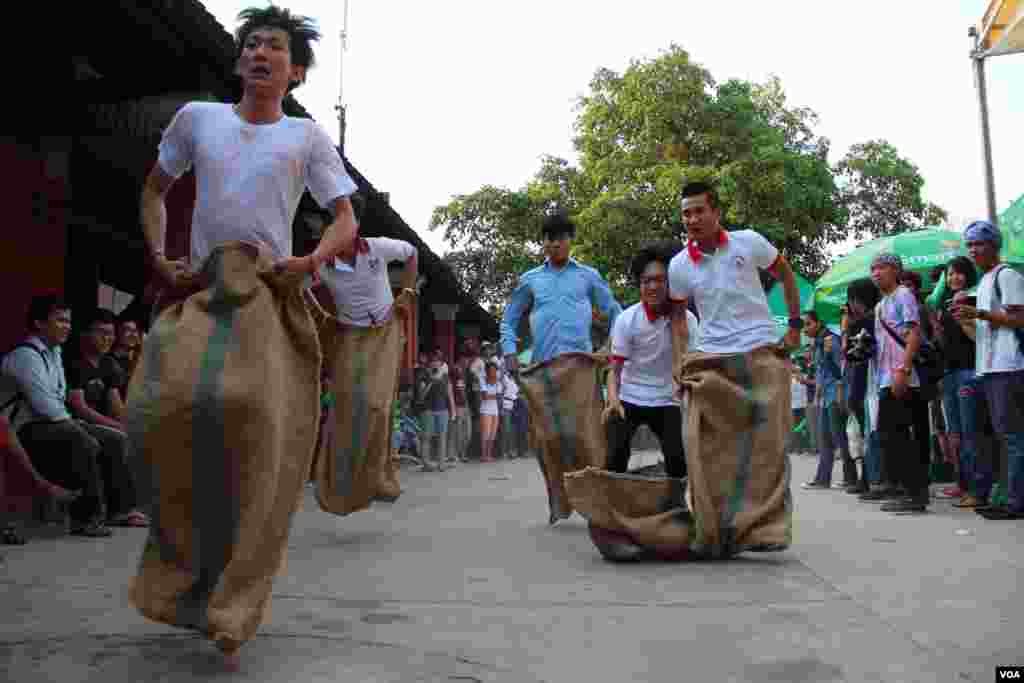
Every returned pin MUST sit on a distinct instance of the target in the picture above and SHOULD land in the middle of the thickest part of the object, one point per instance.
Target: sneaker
(953, 492)
(92, 530)
(880, 495)
(815, 486)
(857, 489)
(905, 505)
(967, 502)
(1000, 513)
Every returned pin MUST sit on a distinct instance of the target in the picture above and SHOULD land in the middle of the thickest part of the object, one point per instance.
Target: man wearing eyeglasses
(640, 390)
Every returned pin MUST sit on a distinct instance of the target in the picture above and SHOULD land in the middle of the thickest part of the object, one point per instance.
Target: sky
(445, 97)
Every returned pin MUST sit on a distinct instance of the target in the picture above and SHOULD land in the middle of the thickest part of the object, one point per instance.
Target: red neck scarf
(652, 314)
(696, 254)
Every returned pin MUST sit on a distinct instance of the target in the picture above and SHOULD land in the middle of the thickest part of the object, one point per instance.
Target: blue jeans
(832, 434)
(961, 391)
(1004, 392)
(873, 458)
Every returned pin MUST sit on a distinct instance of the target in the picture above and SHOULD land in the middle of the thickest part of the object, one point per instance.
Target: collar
(652, 315)
(38, 342)
(569, 262)
(696, 254)
(362, 248)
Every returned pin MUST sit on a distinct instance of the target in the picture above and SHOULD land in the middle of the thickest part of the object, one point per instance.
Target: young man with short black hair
(252, 344)
(63, 450)
(900, 404)
(640, 390)
(832, 413)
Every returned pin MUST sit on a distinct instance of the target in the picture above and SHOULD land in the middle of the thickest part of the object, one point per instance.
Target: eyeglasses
(653, 280)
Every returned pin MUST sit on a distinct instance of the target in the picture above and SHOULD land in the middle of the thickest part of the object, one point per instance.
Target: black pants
(665, 421)
(906, 448)
(78, 455)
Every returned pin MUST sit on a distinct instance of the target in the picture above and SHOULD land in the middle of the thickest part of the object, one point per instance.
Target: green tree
(494, 234)
(881, 191)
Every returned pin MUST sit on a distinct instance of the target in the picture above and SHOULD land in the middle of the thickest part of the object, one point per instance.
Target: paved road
(462, 580)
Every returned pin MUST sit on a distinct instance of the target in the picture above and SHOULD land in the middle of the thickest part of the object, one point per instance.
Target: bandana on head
(888, 259)
(983, 231)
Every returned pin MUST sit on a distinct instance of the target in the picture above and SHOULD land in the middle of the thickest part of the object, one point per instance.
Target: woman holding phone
(960, 391)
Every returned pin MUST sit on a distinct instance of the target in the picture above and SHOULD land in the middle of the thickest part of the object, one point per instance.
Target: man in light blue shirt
(64, 450)
(559, 294)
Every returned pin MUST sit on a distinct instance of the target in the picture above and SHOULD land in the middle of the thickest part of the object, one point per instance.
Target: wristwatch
(796, 323)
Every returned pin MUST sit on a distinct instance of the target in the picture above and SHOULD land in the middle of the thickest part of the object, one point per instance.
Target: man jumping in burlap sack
(560, 385)
(223, 407)
(363, 353)
(736, 384)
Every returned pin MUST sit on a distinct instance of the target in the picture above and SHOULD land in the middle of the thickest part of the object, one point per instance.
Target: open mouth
(259, 72)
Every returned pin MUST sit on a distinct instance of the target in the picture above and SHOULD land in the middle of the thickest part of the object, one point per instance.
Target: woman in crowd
(489, 392)
(960, 392)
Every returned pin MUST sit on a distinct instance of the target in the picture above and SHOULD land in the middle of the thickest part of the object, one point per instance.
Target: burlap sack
(354, 466)
(737, 496)
(222, 421)
(565, 420)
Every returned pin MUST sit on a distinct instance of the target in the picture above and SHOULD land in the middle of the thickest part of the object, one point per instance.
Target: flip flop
(130, 519)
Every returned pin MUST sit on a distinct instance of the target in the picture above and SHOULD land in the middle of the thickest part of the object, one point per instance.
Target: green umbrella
(1011, 224)
(921, 250)
(777, 302)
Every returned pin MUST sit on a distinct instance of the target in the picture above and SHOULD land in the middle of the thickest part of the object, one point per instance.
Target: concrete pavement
(463, 580)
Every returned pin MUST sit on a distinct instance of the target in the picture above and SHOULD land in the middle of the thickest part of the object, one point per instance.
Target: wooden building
(74, 189)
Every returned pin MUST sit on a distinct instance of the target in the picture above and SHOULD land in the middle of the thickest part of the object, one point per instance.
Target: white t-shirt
(798, 394)
(998, 350)
(250, 178)
(362, 294)
(511, 389)
(646, 349)
(489, 406)
(733, 308)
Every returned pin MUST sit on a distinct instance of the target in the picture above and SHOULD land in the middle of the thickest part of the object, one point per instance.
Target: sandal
(131, 519)
(11, 536)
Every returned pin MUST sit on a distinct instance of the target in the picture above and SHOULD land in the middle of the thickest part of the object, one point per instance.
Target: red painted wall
(33, 241)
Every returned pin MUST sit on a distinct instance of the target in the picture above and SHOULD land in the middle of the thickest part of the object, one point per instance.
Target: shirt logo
(374, 263)
(739, 260)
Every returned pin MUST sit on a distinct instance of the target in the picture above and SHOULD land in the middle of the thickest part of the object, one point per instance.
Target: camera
(861, 347)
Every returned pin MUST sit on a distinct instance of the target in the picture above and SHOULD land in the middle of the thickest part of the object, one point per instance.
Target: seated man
(70, 453)
(127, 346)
(95, 395)
(96, 380)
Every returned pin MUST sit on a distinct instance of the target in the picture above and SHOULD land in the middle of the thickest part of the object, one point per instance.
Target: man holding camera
(832, 413)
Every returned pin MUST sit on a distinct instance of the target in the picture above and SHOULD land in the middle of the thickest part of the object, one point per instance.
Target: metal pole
(978, 57)
(341, 80)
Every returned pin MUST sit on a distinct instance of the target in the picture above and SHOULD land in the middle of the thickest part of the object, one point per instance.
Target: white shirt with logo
(645, 347)
(726, 285)
(997, 349)
(362, 293)
(249, 177)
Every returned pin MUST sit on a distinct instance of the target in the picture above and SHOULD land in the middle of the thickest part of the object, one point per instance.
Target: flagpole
(340, 107)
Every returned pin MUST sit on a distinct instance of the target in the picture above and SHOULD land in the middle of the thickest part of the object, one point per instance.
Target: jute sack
(565, 420)
(736, 497)
(222, 422)
(354, 466)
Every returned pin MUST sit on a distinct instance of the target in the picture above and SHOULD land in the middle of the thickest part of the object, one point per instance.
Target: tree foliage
(882, 191)
(639, 137)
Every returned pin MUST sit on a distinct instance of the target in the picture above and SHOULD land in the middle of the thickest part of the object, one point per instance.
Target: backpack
(1018, 332)
(14, 399)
